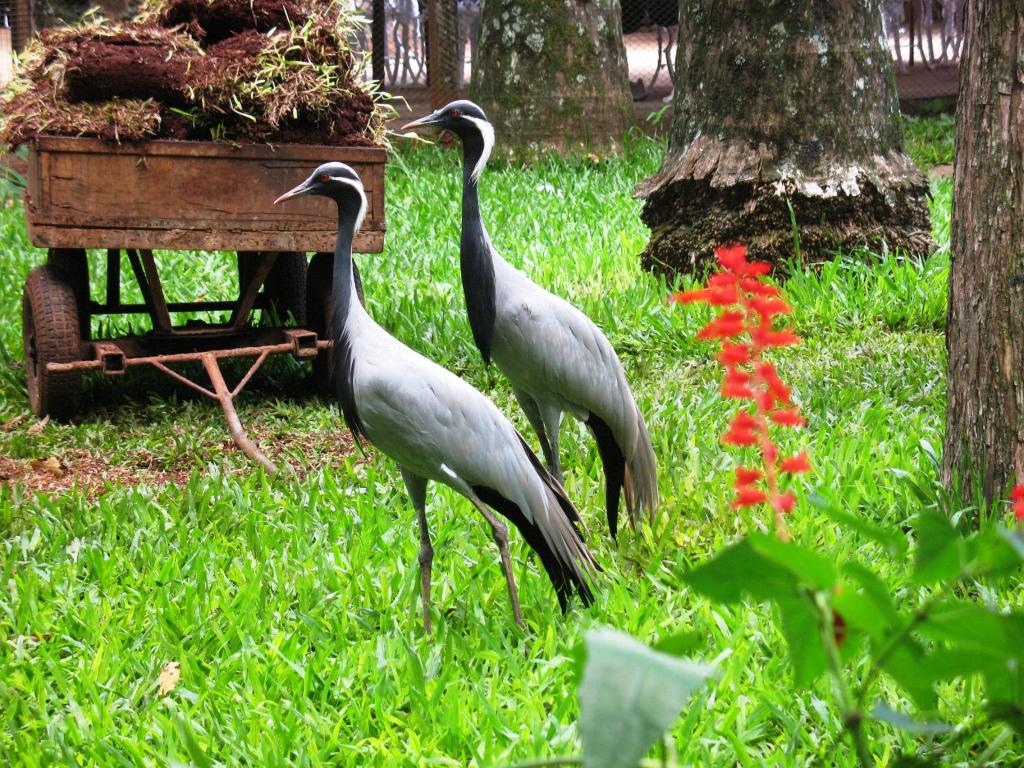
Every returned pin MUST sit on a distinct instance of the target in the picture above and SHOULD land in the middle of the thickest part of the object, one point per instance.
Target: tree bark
(984, 445)
(552, 75)
(783, 109)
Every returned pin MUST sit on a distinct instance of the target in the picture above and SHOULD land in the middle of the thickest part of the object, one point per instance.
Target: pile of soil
(279, 71)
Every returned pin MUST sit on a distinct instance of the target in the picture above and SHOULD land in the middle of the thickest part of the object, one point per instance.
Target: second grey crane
(556, 358)
(437, 427)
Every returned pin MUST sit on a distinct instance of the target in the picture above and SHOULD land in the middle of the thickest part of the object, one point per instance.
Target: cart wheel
(72, 265)
(318, 313)
(50, 331)
(285, 286)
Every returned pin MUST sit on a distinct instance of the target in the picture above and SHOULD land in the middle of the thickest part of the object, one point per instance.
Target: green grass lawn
(291, 604)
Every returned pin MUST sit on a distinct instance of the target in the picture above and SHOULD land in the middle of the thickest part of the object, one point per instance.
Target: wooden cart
(124, 201)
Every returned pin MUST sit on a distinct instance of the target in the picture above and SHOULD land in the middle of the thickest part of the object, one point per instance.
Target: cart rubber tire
(50, 332)
(72, 266)
(318, 313)
(285, 286)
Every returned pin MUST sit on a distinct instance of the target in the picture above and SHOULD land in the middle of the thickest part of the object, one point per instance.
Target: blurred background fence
(925, 37)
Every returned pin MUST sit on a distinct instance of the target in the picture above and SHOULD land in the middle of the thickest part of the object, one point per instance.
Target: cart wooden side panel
(190, 195)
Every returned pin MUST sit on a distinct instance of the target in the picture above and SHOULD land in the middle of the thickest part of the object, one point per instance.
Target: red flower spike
(689, 297)
(722, 278)
(739, 437)
(756, 287)
(769, 308)
(789, 417)
(756, 268)
(1017, 497)
(796, 464)
(771, 379)
(723, 296)
(725, 326)
(838, 628)
(743, 421)
(747, 476)
(765, 400)
(748, 497)
(784, 503)
(732, 257)
(771, 453)
(736, 376)
(737, 391)
(1017, 494)
(734, 354)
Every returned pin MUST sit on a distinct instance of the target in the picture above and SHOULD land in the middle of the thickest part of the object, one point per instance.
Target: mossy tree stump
(782, 109)
(551, 74)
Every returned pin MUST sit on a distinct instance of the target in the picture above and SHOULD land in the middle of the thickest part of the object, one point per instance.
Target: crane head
(457, 117)
(467, 121)
(338, 182)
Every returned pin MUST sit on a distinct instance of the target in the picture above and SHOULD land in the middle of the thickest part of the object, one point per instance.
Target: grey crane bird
(556, 358)
(437, 427)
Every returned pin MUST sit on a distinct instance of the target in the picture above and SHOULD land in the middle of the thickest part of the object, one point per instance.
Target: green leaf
(941, 552)
(738, 570)
(679, 644)
(886, 714)
(908, 666)
(629, 697)
(860, 613)
(875, 590)
(1008, 713)
(801, 626)
(806, 564)
(1014, 538)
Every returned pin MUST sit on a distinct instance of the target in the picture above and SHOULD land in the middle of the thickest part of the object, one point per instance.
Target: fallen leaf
(169, 677)
(50, 465)
(7, 426)
(39, 426)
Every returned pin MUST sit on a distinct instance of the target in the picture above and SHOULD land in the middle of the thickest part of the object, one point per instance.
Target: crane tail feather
(634, 477)
(562, 553)
(642, 476)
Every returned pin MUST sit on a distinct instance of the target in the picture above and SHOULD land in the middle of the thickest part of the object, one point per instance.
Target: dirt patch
(102, 70)
(83, 471)
(211, 22)
(278, 71)
(94, 475)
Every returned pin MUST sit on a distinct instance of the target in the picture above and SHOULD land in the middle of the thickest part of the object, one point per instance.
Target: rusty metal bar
(186, 357)
(162, 317)
(248, 375)
(247, 298)
(140, 278)
(173, 306)
(183, 379)
(234, 423)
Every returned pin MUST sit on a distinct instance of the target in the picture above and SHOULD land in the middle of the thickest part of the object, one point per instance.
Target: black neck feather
(343, 295)
(475, 255)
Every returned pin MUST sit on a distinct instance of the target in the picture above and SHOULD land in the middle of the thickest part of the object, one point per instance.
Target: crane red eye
(455, 113)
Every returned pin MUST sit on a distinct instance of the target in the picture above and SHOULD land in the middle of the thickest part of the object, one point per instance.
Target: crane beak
(303, 189)
(423, 122)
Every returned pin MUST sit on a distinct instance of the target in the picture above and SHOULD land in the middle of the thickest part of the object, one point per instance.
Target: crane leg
(532, 411)
(417, 488)
(552, 416)
(500, 531)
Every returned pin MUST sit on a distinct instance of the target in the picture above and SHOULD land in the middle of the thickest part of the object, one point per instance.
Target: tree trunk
(783, 109)
(984, 445)
(552, 75)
